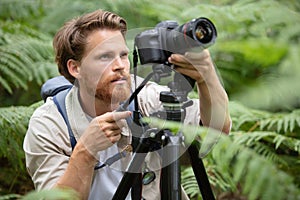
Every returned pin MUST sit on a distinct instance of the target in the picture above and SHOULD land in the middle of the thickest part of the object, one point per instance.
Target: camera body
(156, 45)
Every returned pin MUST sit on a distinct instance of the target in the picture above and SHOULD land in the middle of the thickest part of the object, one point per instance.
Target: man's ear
(74, 68)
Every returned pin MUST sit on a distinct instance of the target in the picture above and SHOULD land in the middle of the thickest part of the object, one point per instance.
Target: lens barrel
(199, 32)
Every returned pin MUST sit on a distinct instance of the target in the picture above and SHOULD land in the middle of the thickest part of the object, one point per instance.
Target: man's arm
(102, 132)
(214, 105)
(213, 98)
(79, 173)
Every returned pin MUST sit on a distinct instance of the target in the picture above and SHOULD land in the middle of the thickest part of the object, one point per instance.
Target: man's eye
(106, 57)
(124, 55)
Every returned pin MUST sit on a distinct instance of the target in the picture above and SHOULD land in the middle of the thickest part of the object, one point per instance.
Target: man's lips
(119, 80)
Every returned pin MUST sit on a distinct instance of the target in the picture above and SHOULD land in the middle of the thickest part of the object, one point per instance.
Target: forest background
(257, 55)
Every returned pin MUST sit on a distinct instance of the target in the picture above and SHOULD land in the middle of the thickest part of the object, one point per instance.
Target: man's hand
(213, 98)
(197, 65)
(104, 131)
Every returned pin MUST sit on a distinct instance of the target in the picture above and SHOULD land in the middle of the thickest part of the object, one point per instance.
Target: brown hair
(69, 42)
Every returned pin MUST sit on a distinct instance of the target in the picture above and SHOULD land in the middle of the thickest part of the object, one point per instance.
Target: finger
(197, 55)
(181, 61)
(112, 133)
(113, 116)
(116, 116)
(115, 138)
(189, 57)
(197, 67)
(177, 59)
(104, 126)
(189, 72)
(122, 123)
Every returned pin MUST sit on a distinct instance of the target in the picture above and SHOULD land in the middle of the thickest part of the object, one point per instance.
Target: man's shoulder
(47, 126)
(46, 109)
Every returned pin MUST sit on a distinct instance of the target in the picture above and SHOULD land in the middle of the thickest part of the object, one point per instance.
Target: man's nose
(119, 64)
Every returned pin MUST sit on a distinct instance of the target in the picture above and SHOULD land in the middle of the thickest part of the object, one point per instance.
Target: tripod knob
(169, 97)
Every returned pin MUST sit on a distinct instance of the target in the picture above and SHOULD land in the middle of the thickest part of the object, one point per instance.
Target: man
(92, 54)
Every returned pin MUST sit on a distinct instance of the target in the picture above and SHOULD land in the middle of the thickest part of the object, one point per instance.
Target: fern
(53, 194)
(237, 164)
(278, 140)
(259, 177)
(189, 182)
(248, 119)
(20, 56)
(10, 196)
(19, 10)
(13, 123)
(282, 122)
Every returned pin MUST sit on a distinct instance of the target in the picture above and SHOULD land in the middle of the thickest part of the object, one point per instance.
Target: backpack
(58, 87)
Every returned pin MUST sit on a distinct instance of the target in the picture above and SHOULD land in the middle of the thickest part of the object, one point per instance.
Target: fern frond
(56, 193)
(13, 125)
(15, 78)
(10, 196)
(274, 138)
(269, 153)
(258, 177)
(189, 183)
(19, 54)
(5, 84)
(283, 122)
(256, 174)
(245, 119)
(19, 10)
(43, 71)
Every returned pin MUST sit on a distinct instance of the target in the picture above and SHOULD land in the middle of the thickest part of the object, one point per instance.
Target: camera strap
(116, 157)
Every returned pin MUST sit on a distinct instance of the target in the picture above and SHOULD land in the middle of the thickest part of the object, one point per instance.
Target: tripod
(151, 139)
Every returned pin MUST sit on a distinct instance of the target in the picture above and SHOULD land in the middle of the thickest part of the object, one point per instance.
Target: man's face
(104, 68)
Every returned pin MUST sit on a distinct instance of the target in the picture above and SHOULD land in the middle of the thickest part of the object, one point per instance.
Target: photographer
(91, 53)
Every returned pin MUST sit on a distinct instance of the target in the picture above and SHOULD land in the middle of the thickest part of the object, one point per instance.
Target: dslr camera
(156, 45)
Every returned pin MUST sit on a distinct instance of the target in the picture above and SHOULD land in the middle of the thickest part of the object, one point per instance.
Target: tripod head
(175, 101)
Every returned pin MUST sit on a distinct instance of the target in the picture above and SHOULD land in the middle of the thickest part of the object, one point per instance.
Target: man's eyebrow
(125, 50)
(106, 52)
(113, 50)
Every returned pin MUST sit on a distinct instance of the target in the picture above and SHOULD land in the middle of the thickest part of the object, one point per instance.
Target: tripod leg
(171, 174)
(132, 175)
(136, 190)
(200, 173)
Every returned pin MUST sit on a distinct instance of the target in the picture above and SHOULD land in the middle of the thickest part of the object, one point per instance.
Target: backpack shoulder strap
(53, 86)
(59, 100)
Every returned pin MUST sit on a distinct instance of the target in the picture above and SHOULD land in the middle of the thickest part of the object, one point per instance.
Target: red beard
(114, 93)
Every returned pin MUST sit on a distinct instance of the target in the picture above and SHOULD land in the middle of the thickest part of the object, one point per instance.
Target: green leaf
(53, 194)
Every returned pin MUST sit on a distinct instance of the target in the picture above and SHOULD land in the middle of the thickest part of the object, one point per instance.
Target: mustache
(120, 76)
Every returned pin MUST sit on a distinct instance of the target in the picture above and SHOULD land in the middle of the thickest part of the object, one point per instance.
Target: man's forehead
(101, 36)
(110, 46)
(105, 39)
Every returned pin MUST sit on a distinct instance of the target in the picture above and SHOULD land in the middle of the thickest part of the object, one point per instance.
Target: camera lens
(204, 31)
(199, 32)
